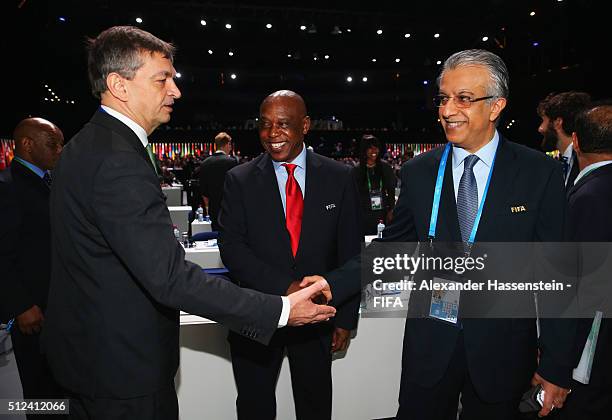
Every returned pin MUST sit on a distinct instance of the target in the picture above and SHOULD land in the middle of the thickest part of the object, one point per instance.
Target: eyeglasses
(461, 101)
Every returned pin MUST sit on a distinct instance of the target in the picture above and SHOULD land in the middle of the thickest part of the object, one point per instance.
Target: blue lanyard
(435, 207)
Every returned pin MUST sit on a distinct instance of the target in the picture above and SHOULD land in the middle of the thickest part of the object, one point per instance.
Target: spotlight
(289, 55)
(438, 62)
(349, 79)
(373, 60)
(406, 35)
(269, 25)
(326, 56)
(379, 32)
(425, 82)
(436, 35)
(532, 14)
(203, 22)
(62, 19)
(228, 26)
(138, 20)
(233, 76)
(178, 75)
(397, 60)
(210, 52)
(535, 43)
(302, 27)
(485, 38)
(364, 79)
(231, 53)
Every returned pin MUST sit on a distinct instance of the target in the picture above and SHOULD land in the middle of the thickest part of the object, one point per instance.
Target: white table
(205, 383)
(204, 255)
(174, 194)
(197, 227)
(180, 216)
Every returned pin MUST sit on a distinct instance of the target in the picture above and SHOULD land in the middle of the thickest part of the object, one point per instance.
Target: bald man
(25, 242)
(287, 214)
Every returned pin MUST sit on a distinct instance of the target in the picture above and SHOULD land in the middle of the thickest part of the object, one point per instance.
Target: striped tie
(467, 198)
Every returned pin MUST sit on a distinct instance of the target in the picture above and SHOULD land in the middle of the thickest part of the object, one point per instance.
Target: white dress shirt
(481, 169)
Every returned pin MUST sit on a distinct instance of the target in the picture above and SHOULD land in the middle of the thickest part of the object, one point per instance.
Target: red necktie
(295, 207)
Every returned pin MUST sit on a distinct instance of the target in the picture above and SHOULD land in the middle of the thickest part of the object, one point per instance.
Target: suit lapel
(312, 201)
(448, 203)
(268, 185)
(25, 173)
(504, 173)
(104, 119)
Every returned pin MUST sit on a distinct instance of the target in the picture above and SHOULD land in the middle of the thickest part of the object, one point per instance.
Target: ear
(558, 124)
(575, 143)
(306, 124)
(116, 86)
(27, 144)
(496, 108)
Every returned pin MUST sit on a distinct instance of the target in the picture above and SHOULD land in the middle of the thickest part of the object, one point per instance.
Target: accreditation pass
(445, 303)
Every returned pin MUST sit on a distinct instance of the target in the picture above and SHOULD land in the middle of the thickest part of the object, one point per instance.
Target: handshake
(308, 300)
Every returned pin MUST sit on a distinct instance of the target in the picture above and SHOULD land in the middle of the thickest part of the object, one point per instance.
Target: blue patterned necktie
(47, 179)
(565, 162)
(467, 198)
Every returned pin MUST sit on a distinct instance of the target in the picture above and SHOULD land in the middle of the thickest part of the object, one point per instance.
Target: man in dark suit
(25, 248)
(212, 175)
(118, 274)
(287, 214)
(590, 207)
(488, 361)
(558, 112)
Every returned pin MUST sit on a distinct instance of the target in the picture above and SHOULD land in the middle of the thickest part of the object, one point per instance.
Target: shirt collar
(568, 152)
(300, 160)
(137, 129)
(31, 166)
(591, 168)
(485, 153)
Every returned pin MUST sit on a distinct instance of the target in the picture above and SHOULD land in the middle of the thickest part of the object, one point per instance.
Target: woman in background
(376, 182)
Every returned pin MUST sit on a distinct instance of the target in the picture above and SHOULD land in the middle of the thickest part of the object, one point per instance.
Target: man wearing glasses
(489, 362)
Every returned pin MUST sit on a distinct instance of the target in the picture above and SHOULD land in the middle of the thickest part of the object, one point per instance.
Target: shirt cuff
(284, 316)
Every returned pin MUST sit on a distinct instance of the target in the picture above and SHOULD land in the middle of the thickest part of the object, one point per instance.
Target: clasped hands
(309, 299)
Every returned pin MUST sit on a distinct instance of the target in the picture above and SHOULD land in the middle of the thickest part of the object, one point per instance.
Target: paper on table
(582, 373)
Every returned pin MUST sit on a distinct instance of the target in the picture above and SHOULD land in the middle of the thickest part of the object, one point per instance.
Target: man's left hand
(554, 395)
(340, 339)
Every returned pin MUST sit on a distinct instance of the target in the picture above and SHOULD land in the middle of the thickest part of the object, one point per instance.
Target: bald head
(282, 125)
(38, 141)
(594, 129)
(288, 97)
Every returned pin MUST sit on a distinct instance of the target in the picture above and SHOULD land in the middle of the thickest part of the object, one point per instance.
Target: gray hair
(119, 50)
(498, 72)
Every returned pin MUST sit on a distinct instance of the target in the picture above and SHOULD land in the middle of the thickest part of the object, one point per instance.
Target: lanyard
(370, 183)
(438, 192)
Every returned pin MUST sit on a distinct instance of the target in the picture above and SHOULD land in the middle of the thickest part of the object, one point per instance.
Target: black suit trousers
(162, 405)
(256, 369)
(440, 402)
(36, 378)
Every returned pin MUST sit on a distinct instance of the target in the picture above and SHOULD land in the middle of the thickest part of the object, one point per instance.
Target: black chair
(205, 236)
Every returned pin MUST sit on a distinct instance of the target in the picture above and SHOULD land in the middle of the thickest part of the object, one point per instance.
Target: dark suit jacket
(212, 177)
(25, 241)
(501, 353)
(590, 207)
(254, 241)
(119, 275)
